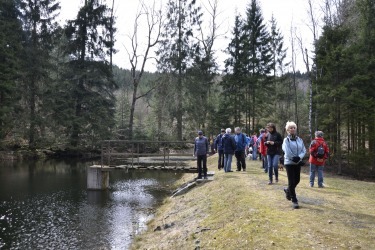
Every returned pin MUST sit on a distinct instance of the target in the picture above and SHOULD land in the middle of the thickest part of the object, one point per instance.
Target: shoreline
(240, 211)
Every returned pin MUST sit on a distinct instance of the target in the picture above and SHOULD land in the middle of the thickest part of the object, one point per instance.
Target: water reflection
(45, 205)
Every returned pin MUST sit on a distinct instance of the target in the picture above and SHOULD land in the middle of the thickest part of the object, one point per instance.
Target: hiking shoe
(322, 186)
(244, 169)
(205, 178)
(270, 183)
(287, 194)
(295, 205)
(277, 180)
(199, 177)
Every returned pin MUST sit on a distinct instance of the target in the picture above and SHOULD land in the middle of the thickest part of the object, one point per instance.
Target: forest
(59, 87)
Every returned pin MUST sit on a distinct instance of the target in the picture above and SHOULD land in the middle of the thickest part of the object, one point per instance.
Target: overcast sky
(286, 13)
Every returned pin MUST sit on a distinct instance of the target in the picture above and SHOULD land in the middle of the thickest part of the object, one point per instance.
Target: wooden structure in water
(146, 155)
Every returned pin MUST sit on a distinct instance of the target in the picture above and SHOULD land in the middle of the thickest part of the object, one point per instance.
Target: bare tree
(138, 56)
(293, 63)
(305, 56)
(208, 41)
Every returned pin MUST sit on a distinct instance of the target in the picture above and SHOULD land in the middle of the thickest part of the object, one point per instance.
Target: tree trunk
(32, 115)
(132, 109)
(179, 80)
(78, 105)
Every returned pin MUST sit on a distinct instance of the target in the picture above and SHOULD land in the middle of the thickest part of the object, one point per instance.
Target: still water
(45, 205)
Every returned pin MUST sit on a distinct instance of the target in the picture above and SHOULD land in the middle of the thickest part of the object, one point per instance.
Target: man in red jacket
(319, 152)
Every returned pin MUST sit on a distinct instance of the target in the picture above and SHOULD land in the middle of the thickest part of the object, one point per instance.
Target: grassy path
(240, 211)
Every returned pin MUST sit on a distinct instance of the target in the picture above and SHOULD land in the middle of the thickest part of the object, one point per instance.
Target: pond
(45, 205)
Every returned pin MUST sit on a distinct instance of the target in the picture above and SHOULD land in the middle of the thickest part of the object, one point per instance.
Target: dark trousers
(202, 160)
(241, 163)
(220, 163)
(294, 173)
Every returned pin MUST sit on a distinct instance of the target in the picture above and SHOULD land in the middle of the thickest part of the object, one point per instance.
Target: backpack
(320, 151)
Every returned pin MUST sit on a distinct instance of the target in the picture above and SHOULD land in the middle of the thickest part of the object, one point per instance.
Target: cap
(319, 134)
(200, 132)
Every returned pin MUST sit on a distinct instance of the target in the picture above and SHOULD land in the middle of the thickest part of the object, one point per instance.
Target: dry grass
(240, 211)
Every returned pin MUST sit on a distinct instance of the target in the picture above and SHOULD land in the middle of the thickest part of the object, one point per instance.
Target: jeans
(241, 163)
(294, 175)
(313, 169)
(202, 160)
(228, 162)
(255, 152)
(273, 166)
(220, 162)
(264, 163)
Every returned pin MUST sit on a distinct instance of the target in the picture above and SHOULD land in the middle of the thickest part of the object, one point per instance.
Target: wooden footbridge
(147, 155)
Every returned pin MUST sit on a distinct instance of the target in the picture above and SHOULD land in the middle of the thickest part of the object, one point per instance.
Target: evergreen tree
(258, 54)
(345, 55)
(280, 81)
(176, 52)
(10, 52)
(235, 70)
(39, 27)
(88, 82)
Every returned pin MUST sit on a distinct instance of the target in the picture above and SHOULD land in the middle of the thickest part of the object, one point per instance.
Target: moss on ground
(240, 211)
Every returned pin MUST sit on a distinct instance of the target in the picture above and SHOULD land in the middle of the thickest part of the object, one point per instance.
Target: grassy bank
(240, 211)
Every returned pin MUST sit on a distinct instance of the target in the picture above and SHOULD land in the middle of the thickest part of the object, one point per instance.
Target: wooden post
(109, 153)
(138, 153)
(101, 154)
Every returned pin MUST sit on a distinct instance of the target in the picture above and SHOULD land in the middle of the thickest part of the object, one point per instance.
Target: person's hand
(296, 159)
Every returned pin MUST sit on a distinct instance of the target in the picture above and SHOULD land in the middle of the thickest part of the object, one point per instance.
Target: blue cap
(200, 132)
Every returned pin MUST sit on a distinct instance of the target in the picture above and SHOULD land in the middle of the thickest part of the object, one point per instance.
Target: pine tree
(39, 27)
(10, 52)
(278, 66)
(235, 70)
(88, 76)
(258, 54)
(175, 52)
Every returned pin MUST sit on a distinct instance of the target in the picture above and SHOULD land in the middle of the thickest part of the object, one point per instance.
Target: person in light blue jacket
(294, 151)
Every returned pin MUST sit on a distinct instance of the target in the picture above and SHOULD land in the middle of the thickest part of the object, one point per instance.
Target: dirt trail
(240, 211)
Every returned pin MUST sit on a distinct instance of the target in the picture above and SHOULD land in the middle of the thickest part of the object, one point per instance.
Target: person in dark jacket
(273, 143)
(201, 152)
(241, 144)
(219, 149)
(229, 145)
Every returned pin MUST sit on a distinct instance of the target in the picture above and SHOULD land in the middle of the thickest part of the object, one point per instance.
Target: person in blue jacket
(218, 147)
(294, 151)
(241, 144)
(201, 152)
(229, 145)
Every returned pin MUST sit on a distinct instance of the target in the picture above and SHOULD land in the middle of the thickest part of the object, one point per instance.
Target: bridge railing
(131, 152)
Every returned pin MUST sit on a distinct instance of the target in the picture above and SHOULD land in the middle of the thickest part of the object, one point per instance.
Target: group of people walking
(271, 146)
